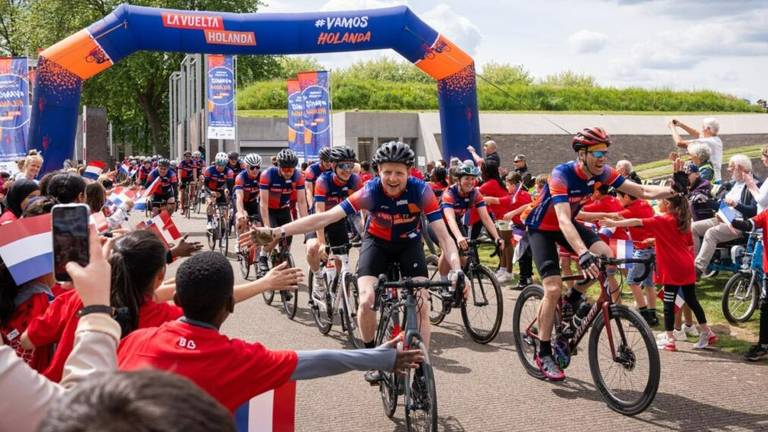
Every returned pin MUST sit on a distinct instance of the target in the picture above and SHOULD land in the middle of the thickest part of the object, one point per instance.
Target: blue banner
(221, 97)
(14, 108)
(295, 118)
(317, 111)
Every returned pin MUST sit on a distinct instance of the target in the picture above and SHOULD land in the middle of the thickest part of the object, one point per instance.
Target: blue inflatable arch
(63, 67)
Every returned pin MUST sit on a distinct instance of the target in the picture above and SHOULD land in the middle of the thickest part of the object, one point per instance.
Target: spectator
(39, 205)
(415, 172)
(31, 167)
(699, 195)
(700, 154)
(95, 196)
(365, 172)
(521, 167)
(708, 135)
(760, 194)
(231, 370)
(18, 198)
(490, 149)
(137, 401)
(519, 199)
(624, 167)
(67, 188)
(713, 230)
(438, 182)
(45, 181)
(430, 168)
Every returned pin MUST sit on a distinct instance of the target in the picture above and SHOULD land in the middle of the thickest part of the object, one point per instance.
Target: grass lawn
(734, 339)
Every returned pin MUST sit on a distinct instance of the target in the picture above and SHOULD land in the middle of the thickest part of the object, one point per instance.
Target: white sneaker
(705, 340)
(665, 343)
(679, 335)
(503, 276)
(318, 288)
(691, 330)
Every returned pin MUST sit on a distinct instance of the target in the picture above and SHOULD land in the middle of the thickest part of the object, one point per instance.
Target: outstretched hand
(405, 359)
(184, 248)
(283, 277)
(680, 182)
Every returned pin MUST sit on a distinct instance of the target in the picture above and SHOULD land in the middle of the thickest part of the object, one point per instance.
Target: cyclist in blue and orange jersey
(331, 188)
(276, 185)
(199, 163)
(457, 202)
(247, 192)
(395, 202)
(143, 172)
(165, 195)
(218, 180)
(235, 164)
(313, 172)
(187, 174)
(552, 222)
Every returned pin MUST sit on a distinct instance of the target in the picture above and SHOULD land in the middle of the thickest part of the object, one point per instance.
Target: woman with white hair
(710, 127)
(700, 155)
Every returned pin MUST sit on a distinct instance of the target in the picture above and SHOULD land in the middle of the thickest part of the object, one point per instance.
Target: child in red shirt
(231, 370)
(674, 265)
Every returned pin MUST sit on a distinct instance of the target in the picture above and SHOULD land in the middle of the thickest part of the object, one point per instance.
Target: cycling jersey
(397, 218)
(329, 188)
(568, 183)
(199, 166)
(186, 169)
(236, 168)
(168, 183)
(216, 180)
(142, 174)
(461, 204)
(313, 172)
(249, 186)
(280, 188)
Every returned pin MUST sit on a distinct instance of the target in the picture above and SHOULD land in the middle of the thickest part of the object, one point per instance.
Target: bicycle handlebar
(605, 261)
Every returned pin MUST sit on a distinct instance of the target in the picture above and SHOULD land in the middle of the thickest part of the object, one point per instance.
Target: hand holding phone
(70, 237)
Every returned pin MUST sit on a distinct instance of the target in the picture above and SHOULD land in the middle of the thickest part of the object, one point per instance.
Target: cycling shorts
(253, 210)
(161, 198)
(544, 247)
(279, 217)
(377, 257)
(221, 199)
(335, 234)
(184, 182)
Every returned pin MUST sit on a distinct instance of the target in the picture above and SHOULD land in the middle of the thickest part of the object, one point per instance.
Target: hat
(691, 168)
(519, 157)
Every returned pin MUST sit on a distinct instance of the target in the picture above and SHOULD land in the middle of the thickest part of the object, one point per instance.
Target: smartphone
(70, 237)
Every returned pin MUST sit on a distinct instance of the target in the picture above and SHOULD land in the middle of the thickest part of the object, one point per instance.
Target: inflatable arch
(64, 66)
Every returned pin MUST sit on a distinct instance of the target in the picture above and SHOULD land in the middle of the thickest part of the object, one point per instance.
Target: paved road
(484, 387)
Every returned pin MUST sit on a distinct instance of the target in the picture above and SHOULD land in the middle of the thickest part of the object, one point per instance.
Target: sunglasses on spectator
(599, 154)
(345, 165)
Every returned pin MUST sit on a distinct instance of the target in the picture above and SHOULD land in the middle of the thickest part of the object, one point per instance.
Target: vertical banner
(317, 111)
(14, 108)
(295, 118)
(221, 85)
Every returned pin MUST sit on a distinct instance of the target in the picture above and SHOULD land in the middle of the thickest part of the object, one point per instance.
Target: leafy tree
(10, 15)
(289, 66)
(384, 69)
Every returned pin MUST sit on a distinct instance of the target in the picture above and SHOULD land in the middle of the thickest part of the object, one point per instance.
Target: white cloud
(587, 41)
(355, 5)
(459, 29)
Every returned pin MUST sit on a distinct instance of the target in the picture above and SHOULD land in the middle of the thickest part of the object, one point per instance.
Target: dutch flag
(94, 169)
(125, 170)
(26, 246)
(273, 411)
(622, 249)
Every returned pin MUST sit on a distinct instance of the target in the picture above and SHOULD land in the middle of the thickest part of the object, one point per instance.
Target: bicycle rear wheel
(484, 308)
(244, 262)
(628, 381)
(740, 297)
(388, 328)
(525, 327)
(421, 397)
(321, 309)
(436, 310)
(349, 305)
(290, 305)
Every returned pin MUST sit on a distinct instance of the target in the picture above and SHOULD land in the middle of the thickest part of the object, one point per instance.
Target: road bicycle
(623, 357)
(218, 235)
(282, 253)
(246, 255)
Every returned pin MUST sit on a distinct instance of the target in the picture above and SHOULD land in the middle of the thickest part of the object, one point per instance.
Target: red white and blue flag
(622, 249)
(145, 195)
(26, 246)
(94, 169)
(273, 411)
(120, 195)
(164, 228)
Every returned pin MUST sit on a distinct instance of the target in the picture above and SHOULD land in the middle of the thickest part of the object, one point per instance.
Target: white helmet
(253, 160)
(221, 158)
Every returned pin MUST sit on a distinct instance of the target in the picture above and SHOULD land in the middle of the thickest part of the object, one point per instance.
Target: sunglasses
(600, 154)
(286, 169)
(345, 165)
(253, 168)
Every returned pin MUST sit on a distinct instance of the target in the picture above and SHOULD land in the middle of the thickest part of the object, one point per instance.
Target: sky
(719, 45)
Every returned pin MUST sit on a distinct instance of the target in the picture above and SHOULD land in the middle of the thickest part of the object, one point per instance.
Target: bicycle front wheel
(320, 308)
(244, 261)
(421, 398)
(525, 327)
(290, 298)
(484, 308)
(740, 297)
(388, 328)
(436, 310)
(349, 306)
(223, 237)
(627, 376)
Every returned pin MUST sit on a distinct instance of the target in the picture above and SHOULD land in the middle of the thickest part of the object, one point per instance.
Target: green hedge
(360, 94)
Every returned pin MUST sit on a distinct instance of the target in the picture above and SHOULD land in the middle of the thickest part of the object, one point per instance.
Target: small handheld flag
(94, 169)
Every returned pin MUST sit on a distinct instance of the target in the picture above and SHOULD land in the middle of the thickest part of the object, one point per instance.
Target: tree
(10, 16)
(569, 79)
(384, 69)
(290, 66)
(505, 74)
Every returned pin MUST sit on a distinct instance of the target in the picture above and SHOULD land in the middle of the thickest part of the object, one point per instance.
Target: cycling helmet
(221, 158)
(287, 159)
(394, 151)
(234, 155)
(187, 153)
(589, 137)
(164, 163)
(339, 154)
(174, 164)
(467, 170)
(196, 154)
(253, 160)
(325, 154)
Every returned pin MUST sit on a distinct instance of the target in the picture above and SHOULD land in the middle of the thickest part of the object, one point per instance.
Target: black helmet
(234, 155)
(165, 163)
(287, 159)
(325, 154)
(394, 151)
(339, 154)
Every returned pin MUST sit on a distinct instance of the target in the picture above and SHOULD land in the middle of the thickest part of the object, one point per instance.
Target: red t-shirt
(39, 357)
(607, 204)
(493, 188)
(761, 221)
(231, 370)
(365, 176)
(674, 251)
(638, 209)
(415, 172)
(59, 323)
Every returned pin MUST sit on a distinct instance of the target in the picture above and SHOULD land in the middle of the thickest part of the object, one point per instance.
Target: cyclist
(218, 180)
(276, 186)
(457, 202)
(165, 194)
(188, 174)
(552, 223)
(331, 188)
(143, 173)
(312, 173)
(395, 202)
(235, 164)
(247, 192)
